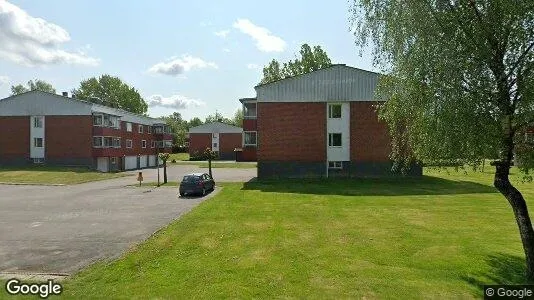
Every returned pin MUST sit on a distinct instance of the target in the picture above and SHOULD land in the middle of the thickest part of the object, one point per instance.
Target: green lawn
(179, 157)
(52, 175)
(441, 236)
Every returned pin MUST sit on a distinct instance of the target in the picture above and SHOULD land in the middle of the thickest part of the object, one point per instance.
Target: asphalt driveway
(60, 229)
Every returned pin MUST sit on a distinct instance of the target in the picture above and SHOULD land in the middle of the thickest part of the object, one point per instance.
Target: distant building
(219, 137)
(43, 128)
(320, 124)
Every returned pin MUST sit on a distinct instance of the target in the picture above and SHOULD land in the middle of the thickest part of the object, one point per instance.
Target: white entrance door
(215, 142)
(102, 164)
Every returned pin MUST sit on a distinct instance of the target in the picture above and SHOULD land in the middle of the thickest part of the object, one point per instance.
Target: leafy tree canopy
(112, 91)
(32, 85)
(310, 60)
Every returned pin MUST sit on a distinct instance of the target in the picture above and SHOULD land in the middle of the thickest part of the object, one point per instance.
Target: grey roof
(216, 127)
(338, 82)
(43, 103)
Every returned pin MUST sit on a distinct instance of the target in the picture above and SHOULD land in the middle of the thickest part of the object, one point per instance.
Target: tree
(112, 91)
(39, 85)
(218, 117)
(210, 155)
(179, 128)
(194, 122)
(460, 85)
(238, 118)
(164, 157)
(310, 60)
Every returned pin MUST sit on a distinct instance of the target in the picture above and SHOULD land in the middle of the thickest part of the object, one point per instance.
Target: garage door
(151, 160)
(102, 164)
(130, 162)
(144, 161)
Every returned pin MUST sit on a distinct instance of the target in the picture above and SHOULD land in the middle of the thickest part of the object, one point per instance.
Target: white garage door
(130, 162)
(151, 160)
(102, 164)
(144, 161)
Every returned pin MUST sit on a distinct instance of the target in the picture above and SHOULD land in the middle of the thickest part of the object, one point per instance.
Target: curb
(27, 183)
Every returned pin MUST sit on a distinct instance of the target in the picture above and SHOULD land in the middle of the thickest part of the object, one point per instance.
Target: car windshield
(190, 178)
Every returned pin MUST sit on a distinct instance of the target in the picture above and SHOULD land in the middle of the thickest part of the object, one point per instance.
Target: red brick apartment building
(320, 124)
(38, 127)
(221, 138)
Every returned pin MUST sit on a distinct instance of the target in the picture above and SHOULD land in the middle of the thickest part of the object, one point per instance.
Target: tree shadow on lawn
(425, 185)
(503, 269)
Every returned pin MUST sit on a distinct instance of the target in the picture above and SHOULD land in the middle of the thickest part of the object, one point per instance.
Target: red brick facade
(198, 142)
(15, 141)
(68, 136)
(369, 140)
(230, 141)
(291, 132)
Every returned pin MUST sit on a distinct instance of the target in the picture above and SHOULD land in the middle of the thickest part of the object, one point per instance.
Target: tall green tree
(112, 91)
(238, 118)
(461, 84)
(218, 117)
(194, 122)
(179, 128)
(311, 59)
(32, 85)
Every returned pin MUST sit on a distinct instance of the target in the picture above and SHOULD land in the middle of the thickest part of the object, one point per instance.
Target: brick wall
(68, 136)
(369, 139)
(230, 141)
(291, 132)
(250, 124)
(15, 138)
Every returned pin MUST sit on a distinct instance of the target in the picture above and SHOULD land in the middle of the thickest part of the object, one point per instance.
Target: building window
(97, 120)
(143, 144)
(113, 160)
(38, 142)
(129, 127)
(334, 111)
(167, 143)
(159, 144)
(108, 142)
(97, 142)
(153, 144)
(140, 128)
(335, 165)
(334, 139)
(250, 138)
(128, 143)
(215, 145)
(149, 129)
(116, 142)
(249, 110)
(37, 122)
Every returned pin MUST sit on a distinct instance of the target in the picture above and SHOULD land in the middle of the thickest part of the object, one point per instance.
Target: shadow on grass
(426, 185)
(503, 269)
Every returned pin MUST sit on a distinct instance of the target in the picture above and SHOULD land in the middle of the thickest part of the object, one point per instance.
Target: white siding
(130, 162)
(144, 162)
(151, 160)
(37, 152)
(341, 125)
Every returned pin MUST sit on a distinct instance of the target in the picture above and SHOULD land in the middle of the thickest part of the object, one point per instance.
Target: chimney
(65, 94)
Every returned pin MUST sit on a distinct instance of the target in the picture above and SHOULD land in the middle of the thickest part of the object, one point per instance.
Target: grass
(441, 236)
(179, 157)
(52, 175)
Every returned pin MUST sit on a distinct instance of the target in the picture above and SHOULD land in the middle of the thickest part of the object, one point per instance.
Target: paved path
(176, 172)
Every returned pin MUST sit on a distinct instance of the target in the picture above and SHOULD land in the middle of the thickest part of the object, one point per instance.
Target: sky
(191, 57)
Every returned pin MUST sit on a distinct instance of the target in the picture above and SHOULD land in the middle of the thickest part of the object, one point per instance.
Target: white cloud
(176, 66)
(226, 50)
(252, 66)
(4, 80)
(265, 41)
(34, 41)
(222, 33)
(174, 102)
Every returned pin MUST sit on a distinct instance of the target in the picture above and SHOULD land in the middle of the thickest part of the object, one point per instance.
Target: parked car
(196, 183)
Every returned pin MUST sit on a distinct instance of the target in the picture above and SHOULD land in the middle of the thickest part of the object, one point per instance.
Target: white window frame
(330, 111)
(35, 139)
(101, 138)
(331, 139)
(129, 144)
(143, 143)
(335, 165)
(38, 121)
(149, 129)
(101, 119)
(104, 142)
(244, 139)
(129, 127)
(153, 144)
(246, 111)
(114, 140)
(140, 128)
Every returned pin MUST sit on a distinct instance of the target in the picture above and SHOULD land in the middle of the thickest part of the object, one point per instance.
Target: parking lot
(59, 229)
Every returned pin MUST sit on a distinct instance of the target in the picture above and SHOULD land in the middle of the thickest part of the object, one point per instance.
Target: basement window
(335, 165)
(334, 111)
(334, 139)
